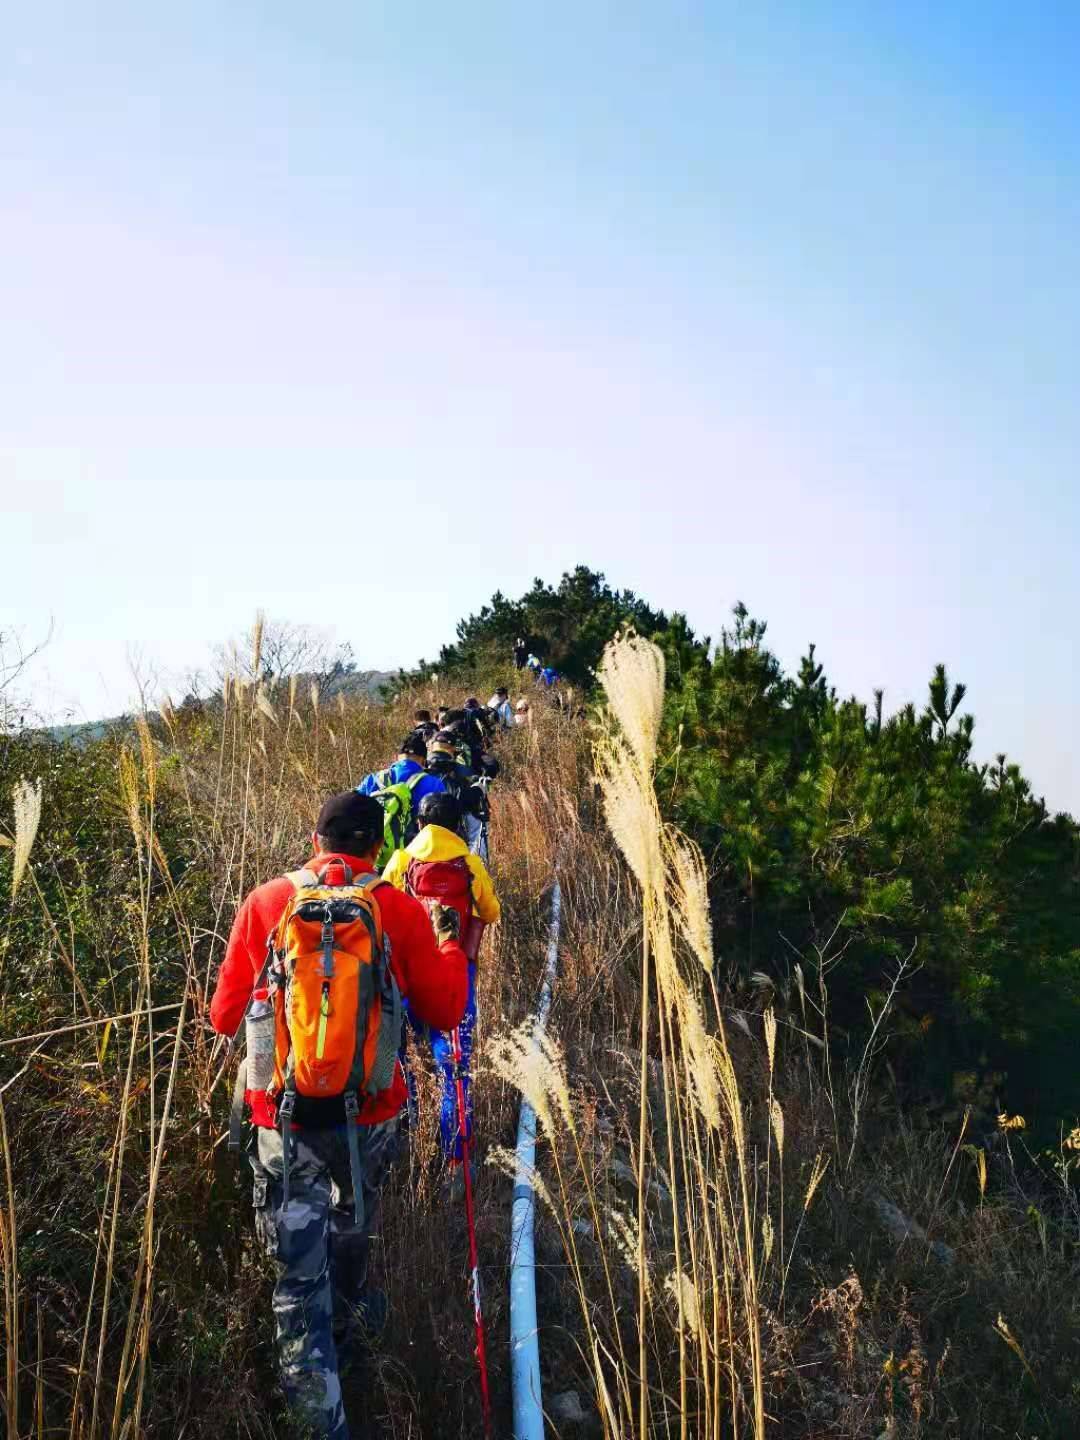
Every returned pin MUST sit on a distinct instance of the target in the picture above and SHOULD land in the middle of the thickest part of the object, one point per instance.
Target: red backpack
(448, 883)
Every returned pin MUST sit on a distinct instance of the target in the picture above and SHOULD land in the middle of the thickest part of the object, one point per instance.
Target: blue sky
(775, 303)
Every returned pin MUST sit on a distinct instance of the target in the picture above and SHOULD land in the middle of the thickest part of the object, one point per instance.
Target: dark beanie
(351, 820)
(440, 808)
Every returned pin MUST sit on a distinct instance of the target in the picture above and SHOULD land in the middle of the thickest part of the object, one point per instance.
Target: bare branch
(15, 656)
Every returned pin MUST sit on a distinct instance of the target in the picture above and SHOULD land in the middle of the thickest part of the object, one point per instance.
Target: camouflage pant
(321, 1256)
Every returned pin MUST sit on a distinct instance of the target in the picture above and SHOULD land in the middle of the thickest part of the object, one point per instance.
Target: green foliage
(80, 909)
(567, 626)
(826, 817)
(823, 819)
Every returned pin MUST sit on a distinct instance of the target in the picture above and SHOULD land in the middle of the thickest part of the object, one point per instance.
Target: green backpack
(399, 826)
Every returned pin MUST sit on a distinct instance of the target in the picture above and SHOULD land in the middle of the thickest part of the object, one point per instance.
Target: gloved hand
(446, 922)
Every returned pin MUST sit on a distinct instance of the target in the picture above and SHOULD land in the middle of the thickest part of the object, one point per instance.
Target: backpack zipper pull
(324, 1015)
(328, 942)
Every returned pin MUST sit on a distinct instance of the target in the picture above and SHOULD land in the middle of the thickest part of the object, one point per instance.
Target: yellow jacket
(435, 842)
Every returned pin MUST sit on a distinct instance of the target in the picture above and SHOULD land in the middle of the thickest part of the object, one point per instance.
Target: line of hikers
(525, 659)
(325, 966)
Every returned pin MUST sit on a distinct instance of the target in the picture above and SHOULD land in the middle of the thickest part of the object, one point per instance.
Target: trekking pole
(470, 1221)
(484, 782)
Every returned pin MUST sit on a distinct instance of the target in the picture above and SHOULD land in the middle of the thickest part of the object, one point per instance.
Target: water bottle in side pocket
(259, 1037)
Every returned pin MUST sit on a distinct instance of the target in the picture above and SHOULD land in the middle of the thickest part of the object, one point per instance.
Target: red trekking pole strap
(470, 1220)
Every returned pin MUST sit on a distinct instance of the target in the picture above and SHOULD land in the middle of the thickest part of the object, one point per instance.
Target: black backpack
(470, 797)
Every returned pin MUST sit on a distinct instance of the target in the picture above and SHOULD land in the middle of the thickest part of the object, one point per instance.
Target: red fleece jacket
(433, 978)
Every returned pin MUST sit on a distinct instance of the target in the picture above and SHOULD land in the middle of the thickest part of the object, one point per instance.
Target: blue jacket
(400, 771)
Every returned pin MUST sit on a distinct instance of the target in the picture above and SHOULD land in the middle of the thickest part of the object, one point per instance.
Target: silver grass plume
(27, 798)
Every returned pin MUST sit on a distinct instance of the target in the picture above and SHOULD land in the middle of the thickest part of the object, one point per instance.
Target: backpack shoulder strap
(302, 879)
(414, 780)
(369, 882)
(393, 791)
(384, 1064)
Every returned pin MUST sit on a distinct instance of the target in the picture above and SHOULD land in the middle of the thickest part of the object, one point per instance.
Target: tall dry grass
(116, 1096)
(714, 1261)
(710, 1263)
(696, 1253)
(126, 1240)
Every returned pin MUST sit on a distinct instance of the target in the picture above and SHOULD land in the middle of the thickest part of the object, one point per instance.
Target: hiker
(423, 725)
(549, 676)
(500, 706)
(458, 731)
(444, 761)
(481, 719)
(522, 713)
(453, 736)
(474, 709)
(465, 725)
(410, 765)
(399, 789)
(521, 653)
(488, 723)
(317, 1178)
(438, 868)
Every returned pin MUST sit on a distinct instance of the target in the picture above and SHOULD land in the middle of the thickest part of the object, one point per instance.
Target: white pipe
(524, 1338)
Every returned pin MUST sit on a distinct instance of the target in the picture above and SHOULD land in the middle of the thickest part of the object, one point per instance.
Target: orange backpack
(337, 1008)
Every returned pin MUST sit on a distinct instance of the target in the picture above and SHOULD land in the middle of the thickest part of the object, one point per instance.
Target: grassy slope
(147, 1303)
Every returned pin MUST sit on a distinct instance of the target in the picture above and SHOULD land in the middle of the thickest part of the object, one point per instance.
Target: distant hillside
(84, 732)
(359, 684)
